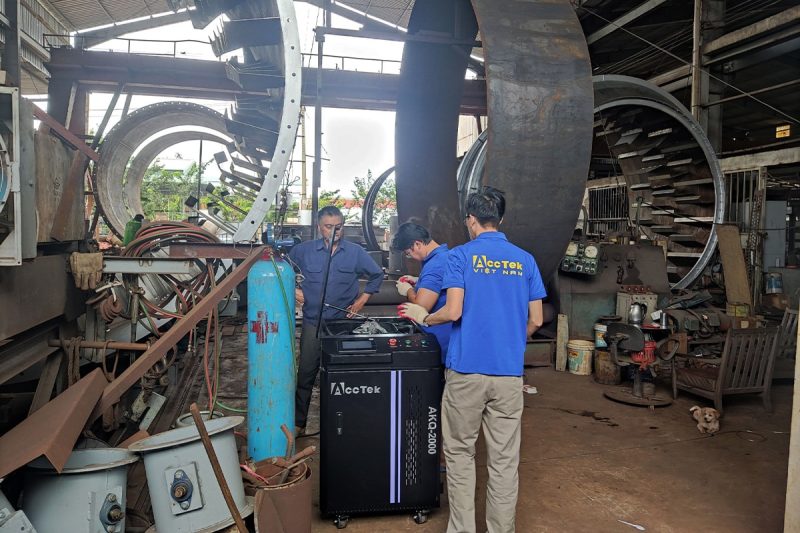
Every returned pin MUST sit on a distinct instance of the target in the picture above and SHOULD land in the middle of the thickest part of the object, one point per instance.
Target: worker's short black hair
(330, 211)
(407, 234)
(488, 205)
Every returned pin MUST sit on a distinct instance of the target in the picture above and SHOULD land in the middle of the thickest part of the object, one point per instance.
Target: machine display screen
(357, 345)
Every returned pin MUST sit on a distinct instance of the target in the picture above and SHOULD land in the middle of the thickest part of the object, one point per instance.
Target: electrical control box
(581, 258)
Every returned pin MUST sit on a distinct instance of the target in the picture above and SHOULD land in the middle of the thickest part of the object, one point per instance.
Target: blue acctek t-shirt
(431, 277)
(499, 280)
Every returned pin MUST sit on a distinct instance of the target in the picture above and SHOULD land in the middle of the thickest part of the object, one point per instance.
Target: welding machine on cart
(380, 396)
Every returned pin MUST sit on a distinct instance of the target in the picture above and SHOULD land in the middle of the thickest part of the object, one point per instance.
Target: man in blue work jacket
(348, 263)
(494, 299)
(416, 243)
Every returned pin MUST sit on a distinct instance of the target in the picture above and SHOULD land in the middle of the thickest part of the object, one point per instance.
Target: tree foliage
(385, 202)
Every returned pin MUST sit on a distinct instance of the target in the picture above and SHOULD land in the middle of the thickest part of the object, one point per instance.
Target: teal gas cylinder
(271, 366)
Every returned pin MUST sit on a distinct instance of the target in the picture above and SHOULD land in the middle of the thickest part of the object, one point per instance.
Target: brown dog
(707, 419)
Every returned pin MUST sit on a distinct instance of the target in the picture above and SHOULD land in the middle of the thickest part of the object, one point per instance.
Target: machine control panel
(371, 341)
(581, 258)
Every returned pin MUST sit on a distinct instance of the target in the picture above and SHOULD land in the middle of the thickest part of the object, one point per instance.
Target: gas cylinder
(271, 365)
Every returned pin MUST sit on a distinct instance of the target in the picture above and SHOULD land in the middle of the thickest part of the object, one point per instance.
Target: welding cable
(153, 237)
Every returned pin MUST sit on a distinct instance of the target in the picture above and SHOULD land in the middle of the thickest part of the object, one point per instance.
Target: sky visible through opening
(353, 141)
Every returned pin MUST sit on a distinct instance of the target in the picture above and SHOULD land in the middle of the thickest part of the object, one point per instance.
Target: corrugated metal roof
(395, 12)
(85, 14)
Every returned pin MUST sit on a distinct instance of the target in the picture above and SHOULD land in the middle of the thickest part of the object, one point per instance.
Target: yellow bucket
(579, 357)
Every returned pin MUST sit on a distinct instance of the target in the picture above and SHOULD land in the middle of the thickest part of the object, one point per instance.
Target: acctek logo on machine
(339, 388)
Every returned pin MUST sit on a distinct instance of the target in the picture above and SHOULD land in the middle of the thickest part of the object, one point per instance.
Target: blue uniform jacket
(348, 264)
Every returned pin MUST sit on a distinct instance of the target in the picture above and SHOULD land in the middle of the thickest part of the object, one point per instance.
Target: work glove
(415, 312)
(409, 279)
(87, 269)
(403, 287)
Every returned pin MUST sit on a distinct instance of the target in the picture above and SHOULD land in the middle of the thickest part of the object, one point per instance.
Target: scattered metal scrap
(52, 430)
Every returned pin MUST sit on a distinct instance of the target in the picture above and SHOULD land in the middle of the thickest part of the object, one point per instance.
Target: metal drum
(88, 496)
(184, 492)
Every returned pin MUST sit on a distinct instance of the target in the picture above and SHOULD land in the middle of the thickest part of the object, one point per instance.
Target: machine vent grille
(413, 436)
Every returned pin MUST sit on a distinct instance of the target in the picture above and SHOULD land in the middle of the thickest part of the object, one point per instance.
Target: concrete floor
(588, 464)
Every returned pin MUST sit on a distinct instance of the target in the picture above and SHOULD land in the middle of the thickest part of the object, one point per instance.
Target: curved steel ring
(618, 91)
(368, 209)
(123, 141)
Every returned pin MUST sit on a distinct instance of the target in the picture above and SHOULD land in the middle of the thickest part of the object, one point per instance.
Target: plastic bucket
(773, 283)
(579, 357)
(600, 335)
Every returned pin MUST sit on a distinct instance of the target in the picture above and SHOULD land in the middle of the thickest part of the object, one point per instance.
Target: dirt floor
(589, 464)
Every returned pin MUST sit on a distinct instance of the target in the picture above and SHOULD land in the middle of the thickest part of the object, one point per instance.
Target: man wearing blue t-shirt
(494, 299)
(416, 243)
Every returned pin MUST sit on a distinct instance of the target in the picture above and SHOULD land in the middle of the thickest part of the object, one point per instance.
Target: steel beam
(790, 16)
(171, 77)
(631, 15)
(114, 390)
(65, 134)
(785, 156)
(403, 37)
(89, 38)
(21, 354)
(210, 251)
(675, 74)
(148, 265)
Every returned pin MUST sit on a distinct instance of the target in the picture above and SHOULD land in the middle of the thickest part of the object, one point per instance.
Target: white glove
(403, 287)
(415, 312)
(409, 279)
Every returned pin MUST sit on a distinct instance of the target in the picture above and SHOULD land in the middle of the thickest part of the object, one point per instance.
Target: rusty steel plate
(52, 430)
(540, 109)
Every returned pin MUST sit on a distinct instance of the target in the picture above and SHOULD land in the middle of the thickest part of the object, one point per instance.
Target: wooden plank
(47, 380)
(562, 338)
(737, 287)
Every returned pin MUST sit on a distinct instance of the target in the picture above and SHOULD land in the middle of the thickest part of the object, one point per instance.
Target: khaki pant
(472, 401)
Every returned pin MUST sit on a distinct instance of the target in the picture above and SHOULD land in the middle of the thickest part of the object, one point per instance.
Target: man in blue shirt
(416, 243)
(494, 299)
(348, 263)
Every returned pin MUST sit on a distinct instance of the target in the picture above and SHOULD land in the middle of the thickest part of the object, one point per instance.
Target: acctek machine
(380, 393)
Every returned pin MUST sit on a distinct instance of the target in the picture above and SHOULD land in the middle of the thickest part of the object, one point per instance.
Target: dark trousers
(307, 369)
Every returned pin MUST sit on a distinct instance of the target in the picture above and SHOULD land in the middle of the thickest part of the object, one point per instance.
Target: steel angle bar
(52, 430)
(114, 390)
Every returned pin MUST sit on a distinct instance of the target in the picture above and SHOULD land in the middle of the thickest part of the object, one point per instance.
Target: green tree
(385, 202)
(165, 191)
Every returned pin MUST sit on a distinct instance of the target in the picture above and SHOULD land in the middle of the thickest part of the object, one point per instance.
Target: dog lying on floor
(707, 419)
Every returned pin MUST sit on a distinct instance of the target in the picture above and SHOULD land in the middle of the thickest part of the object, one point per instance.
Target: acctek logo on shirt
(482, 264)
(339, 388)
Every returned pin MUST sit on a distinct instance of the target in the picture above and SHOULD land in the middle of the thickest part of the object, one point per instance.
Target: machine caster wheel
(341, 521)
(420, 517)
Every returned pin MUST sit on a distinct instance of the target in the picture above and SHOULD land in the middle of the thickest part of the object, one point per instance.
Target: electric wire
(693, 67)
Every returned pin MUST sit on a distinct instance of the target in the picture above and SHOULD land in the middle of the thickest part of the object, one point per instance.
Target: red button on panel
(392, 342)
